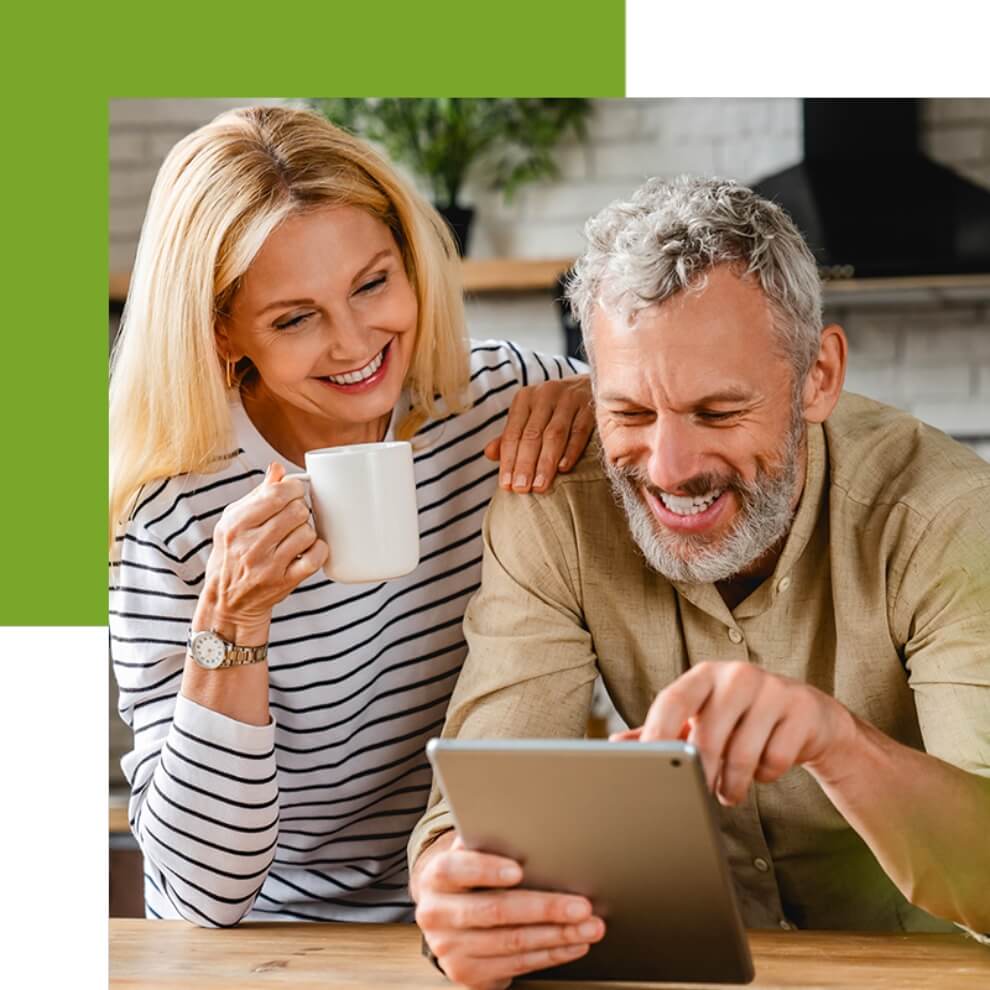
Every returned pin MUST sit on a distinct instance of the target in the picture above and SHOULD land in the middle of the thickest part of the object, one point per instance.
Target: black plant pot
(459, 220)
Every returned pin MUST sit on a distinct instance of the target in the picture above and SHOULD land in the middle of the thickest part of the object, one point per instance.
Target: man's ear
(823, 384)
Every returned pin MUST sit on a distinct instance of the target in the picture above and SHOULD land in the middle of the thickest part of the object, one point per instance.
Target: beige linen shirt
(881, 598)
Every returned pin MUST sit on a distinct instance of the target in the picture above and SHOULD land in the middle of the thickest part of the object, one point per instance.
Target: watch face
(208, 650)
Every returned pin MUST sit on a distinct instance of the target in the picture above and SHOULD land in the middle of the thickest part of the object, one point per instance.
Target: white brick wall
(141, 134)
(630, 140)
(933, 360)
(957, 133)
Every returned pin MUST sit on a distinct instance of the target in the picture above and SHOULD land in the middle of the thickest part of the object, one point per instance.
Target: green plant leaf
(444, 139)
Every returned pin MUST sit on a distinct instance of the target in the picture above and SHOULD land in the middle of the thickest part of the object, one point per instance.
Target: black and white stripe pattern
(307, 818)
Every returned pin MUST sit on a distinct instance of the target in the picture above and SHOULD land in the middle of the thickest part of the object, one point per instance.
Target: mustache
(699, 484)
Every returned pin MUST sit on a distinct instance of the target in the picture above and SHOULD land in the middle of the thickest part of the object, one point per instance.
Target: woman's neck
(292, 432)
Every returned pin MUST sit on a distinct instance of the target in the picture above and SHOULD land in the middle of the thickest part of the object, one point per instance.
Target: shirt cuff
(222, 729)
(434, 823)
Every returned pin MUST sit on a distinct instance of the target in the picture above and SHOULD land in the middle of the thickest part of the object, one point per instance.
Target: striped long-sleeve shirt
(307, 817)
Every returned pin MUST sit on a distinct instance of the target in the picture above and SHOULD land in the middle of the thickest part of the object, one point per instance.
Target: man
(795, 580)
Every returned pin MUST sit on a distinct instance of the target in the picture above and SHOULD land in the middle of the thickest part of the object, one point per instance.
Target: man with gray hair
(794, 579)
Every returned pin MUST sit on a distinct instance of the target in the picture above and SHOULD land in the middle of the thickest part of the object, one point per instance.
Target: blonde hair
(218, 195)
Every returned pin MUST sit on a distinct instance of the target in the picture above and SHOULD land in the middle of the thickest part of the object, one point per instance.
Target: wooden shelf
(913, 288)
(512, 274)
(118, 819)
(493, 275)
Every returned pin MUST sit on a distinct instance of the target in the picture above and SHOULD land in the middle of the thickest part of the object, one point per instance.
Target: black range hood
(871, 205)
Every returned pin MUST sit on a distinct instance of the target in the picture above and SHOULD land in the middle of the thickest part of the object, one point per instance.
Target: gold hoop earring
(230, 372)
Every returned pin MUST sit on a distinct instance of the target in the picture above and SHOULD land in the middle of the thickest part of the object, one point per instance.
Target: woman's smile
(361, 379)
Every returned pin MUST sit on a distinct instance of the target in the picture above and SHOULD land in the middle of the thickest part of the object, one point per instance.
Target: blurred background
(921, 342)
(893, 195)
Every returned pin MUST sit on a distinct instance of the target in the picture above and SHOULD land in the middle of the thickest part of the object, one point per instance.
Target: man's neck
(739, 587)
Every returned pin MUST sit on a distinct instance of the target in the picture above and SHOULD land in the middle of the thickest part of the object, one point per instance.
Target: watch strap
(238, 656)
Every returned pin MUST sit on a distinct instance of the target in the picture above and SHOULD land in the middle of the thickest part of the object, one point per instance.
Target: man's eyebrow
(728, 394)
(289, 303)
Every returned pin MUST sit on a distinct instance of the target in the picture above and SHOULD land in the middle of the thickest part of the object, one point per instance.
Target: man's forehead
(721, 350)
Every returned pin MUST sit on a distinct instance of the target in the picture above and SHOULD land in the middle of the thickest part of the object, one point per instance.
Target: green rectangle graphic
(61, 74)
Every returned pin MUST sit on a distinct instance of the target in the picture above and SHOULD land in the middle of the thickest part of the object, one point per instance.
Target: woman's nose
(346, 336)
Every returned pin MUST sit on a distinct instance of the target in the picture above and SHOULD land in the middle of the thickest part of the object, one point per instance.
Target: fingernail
(589, 929)
(539, 481)
(507, 479)
(562, 464)
(510, 874)
(521, 481)
(576, 910)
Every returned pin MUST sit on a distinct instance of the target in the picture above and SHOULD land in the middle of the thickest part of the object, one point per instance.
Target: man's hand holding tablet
(482, 930)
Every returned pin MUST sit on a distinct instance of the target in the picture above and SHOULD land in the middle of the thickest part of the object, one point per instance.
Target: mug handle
(304, 476)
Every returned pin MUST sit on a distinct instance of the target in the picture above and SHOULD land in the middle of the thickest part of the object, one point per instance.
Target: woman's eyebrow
(285, 303)
(289, 303)
(372, 261)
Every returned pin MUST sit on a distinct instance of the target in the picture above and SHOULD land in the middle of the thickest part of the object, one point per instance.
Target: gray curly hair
(671, 233)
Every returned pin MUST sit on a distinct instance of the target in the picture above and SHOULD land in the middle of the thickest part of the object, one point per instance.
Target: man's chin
(688, 557)
(692, 564)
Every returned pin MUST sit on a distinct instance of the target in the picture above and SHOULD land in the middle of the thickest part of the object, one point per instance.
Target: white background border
(54, 899)
(808, 48)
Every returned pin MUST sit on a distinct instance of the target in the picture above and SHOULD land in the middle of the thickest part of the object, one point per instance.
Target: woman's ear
(225, 348)
(823, 384)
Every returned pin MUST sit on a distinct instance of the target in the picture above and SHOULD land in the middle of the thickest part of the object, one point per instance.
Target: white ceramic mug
(363, 498)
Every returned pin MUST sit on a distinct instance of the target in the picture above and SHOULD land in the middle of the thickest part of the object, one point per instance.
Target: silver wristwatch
(212, 652)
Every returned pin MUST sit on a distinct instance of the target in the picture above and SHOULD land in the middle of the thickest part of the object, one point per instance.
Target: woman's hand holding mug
(264, 546)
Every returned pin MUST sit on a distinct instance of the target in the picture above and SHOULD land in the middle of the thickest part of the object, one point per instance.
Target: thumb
(492, 449)
(275, 473)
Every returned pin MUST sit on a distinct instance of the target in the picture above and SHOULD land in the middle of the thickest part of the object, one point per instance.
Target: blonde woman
(291, 292)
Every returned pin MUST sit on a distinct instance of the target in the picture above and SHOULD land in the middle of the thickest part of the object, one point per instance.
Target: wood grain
(156, 954)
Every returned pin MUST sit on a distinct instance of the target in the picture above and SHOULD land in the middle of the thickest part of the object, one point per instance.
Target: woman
(290, 292)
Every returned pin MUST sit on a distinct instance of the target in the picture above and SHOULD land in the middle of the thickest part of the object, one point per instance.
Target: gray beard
(763, 519)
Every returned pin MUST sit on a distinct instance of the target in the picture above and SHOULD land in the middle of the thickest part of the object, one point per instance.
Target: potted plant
(509, 142)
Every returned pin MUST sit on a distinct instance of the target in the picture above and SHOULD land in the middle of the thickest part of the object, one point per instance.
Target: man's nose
(676, 453)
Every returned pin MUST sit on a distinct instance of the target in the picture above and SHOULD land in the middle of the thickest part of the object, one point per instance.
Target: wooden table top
(309, 956)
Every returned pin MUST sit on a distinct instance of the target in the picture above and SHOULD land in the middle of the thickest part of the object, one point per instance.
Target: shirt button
(735, 635)
(783, 584)
(786, 925)
(761, 864)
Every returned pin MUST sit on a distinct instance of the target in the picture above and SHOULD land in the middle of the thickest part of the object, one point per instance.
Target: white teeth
(352, 377)
(688, 506)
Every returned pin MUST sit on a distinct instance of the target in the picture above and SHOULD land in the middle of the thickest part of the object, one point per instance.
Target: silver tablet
(630, 826)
